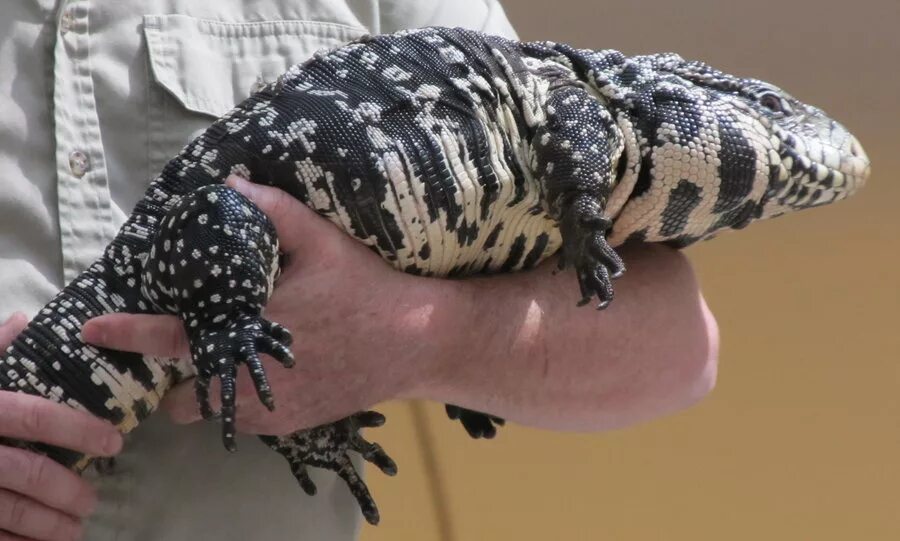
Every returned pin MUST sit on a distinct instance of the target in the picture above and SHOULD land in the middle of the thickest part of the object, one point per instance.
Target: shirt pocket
(202, 68)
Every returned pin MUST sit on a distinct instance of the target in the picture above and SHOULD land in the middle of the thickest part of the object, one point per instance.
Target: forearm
(514, 345)
(518, 347)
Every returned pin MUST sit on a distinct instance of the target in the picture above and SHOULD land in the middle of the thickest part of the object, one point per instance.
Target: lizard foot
(218, 351)
(478, 425)
(585, 247)
(327, 447)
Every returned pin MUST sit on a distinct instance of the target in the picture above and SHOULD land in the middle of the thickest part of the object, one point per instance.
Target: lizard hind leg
(327, 446)
(585, 248)
(213, 263)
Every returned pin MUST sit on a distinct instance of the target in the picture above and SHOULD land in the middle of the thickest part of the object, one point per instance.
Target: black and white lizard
(450, 153)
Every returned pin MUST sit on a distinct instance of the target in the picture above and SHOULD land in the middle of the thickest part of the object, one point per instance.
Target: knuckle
(17, 513)
(35, 469)
(279, 203)
(89, 437)
(11, 463)
(32, 419)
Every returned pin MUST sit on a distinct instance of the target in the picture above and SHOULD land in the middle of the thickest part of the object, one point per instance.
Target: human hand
(354, 319)
(41, 500)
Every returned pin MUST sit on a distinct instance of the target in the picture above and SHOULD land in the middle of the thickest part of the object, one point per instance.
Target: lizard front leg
(573, 151)
(213, 263)
(574, 155)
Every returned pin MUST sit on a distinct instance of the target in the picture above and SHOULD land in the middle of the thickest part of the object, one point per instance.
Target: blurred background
(801, 438)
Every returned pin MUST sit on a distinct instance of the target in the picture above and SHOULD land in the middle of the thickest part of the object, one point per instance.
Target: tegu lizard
(449, 153)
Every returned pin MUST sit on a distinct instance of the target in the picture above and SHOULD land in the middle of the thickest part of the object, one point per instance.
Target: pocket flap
(210, 66)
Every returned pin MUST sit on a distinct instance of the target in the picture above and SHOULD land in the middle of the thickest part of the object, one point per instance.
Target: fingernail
(94, 333)
(113, 444)
(234, 181)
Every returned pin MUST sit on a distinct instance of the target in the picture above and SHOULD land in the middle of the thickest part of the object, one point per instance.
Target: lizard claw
(219, 352)
(327, 447)
(596, 263)
(478, 425)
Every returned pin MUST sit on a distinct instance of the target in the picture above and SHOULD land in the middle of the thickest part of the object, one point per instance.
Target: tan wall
(801, 439)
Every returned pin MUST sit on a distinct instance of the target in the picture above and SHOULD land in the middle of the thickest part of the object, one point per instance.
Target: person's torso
(97, 97)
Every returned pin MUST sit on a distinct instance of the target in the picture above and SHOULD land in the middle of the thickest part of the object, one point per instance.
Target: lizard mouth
(821, 167)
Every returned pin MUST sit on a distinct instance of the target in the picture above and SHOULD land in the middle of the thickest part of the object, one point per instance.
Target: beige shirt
(95, 97)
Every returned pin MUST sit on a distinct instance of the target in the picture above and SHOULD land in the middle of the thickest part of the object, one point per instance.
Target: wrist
(467, 326)
(439, 322)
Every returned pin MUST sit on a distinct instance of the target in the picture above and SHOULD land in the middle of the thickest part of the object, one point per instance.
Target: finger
(31, 418)
(297, 225)
(6, 536)
(150, 334)
(45, 481)
(11, 328)
(25, 517)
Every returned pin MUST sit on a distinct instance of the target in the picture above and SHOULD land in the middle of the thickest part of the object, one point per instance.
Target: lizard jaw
(825, 167)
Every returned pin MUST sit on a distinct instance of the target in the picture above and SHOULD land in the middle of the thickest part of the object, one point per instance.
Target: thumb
(298, 226)
(11, 328)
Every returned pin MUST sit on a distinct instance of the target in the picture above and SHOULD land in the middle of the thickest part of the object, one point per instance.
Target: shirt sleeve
(486, 16)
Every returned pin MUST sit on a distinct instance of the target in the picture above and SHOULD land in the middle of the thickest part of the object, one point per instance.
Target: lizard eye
(773, 102)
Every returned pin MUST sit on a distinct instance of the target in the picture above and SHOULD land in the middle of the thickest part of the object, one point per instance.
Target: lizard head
(706, 151)
(812, 159)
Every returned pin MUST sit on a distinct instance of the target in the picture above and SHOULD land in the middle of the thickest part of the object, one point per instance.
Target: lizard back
(418, 147)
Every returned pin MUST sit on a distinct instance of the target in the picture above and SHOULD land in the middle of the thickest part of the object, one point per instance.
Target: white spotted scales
(450, 153)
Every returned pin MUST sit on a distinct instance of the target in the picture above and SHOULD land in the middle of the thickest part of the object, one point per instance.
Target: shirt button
(79, 163)
(257, 85)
